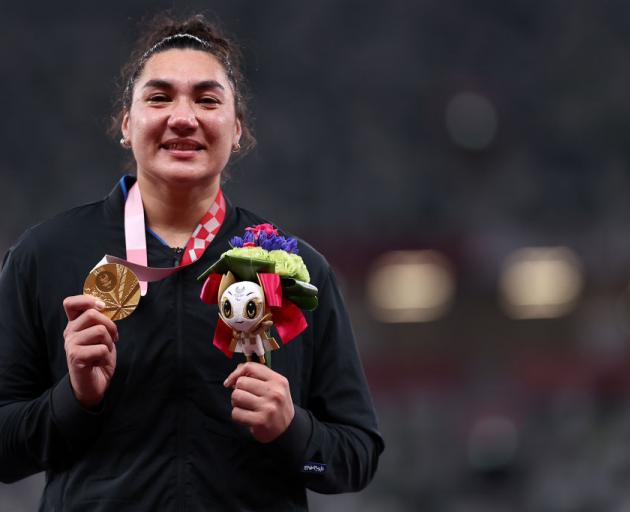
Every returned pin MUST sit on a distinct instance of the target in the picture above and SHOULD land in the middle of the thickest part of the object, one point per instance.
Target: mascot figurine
(259, 284)
(242, 307)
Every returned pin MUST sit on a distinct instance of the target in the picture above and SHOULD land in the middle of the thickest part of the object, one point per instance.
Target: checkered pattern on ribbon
(136, 241)
(205, 232)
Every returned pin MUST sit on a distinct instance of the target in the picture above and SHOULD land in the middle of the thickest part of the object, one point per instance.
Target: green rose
(256, 253)
(289, 265)
(286, 264)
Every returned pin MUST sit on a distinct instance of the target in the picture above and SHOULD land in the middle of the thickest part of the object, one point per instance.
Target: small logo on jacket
(314, 467)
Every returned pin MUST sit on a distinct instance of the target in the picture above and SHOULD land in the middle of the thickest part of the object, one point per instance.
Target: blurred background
(464, 167)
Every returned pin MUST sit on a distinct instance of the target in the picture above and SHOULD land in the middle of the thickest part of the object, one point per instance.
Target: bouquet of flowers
(259, 283)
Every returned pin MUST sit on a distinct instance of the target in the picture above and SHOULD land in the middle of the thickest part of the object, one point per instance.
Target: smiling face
(242, 305)
(182, 123)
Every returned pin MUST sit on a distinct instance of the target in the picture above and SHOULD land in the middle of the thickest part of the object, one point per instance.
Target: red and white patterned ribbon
(136, 241)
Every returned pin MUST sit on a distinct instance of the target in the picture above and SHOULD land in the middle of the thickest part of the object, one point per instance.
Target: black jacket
(164, 439)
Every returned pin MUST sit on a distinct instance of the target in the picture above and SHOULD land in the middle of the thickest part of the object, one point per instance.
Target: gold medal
(116, 286)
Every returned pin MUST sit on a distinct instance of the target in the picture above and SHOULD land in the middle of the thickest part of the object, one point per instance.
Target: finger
(252, 385)
(275, 392)
(94, 335)
(255, 370)
(85, 356)
(258, 371)
(231, 379)
(247, 417)
(245, 400)
(77, 304)
(90, 318)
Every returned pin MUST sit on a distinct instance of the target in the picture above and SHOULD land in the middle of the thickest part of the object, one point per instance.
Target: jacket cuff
(292, 444)
(73, 420)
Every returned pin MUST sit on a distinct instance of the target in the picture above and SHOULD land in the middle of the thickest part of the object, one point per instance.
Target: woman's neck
(174, 213)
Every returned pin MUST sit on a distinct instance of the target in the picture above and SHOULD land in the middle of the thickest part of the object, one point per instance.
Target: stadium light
(410, 286)
(540, 282)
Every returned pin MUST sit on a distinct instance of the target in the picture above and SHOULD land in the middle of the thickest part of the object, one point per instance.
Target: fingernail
(99, 304)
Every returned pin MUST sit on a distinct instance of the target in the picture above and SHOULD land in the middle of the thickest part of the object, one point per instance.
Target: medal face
(116, 286)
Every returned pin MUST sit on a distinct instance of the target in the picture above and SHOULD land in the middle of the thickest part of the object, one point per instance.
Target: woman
(146, 414)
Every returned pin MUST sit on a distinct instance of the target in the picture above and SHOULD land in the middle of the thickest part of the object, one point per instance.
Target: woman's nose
(183, 117)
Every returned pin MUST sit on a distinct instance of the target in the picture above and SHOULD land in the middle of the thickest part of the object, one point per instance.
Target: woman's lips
(182, 148)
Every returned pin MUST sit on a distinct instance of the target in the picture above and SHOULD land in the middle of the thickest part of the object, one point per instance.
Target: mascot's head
(242, 305)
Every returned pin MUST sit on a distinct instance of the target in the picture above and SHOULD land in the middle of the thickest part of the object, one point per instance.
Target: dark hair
(165, 32)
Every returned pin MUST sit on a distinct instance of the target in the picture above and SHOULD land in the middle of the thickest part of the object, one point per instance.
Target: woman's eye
(158, 98)
(206, 100)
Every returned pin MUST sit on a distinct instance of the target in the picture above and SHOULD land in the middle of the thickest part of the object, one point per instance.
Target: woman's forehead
(183, 65)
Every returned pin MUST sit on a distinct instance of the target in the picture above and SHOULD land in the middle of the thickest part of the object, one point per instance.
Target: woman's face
(182, 124)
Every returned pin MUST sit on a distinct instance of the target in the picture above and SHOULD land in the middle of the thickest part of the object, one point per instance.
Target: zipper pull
(178, 254)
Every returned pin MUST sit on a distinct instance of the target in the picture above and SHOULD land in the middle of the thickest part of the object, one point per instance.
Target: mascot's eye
(227, 308)
(251, 309)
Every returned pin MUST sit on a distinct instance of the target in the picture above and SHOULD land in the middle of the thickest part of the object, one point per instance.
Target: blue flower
(237, 241)
(279, 242)
(265, 239)
(266, 242)
(248, 237)
(290, 245)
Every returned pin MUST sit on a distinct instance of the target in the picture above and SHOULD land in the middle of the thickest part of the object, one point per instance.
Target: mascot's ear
(227, 280)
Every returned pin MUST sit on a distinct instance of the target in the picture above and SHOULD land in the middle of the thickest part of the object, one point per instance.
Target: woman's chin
(181, 175)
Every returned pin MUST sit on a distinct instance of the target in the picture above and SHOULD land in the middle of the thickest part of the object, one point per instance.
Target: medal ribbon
(136, 241)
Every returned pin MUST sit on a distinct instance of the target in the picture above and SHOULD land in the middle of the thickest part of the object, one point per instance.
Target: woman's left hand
(261, 400)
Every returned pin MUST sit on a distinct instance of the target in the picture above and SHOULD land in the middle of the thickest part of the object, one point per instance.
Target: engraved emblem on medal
(116, 286)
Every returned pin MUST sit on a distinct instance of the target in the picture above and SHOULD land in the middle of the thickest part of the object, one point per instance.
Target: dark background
(359, 155)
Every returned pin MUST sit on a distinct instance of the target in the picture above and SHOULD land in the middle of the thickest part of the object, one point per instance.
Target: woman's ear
(238, 131)
(124, 126)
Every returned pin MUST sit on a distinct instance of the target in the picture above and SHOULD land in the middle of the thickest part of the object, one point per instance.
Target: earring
(236, 147)
(125, 143)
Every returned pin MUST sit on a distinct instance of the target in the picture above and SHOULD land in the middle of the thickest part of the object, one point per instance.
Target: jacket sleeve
(41, 423)
(334, 440)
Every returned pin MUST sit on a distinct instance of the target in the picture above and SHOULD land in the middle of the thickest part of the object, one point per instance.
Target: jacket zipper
(181, 387)
(178, 251)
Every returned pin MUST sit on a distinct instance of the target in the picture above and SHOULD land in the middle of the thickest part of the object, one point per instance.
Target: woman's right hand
(89, 341)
